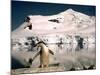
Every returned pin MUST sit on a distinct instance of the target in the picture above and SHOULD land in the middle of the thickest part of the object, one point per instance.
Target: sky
(21, 9)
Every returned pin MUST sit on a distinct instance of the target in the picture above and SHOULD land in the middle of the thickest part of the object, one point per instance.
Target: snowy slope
(50, 29)
(69, 21)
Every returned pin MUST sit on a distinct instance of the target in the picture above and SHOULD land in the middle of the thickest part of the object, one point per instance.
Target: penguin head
(40, 43)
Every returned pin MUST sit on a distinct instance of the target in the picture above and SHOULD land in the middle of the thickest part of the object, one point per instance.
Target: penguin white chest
(46, 50)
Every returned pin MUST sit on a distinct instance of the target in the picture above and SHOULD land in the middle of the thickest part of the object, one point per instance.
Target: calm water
(71, 47)
(65, 54)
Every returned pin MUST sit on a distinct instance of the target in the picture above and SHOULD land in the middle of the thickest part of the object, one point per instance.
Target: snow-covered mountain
(50, 28)
(69, 21)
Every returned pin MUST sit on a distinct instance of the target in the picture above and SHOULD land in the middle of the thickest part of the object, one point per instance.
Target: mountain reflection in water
(71, 47)
(68, 55)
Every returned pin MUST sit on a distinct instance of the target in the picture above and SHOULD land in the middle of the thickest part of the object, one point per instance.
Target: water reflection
(65, 54)
(71, 47)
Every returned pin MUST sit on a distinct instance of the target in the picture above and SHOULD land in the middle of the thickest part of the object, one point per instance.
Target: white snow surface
(70, 22)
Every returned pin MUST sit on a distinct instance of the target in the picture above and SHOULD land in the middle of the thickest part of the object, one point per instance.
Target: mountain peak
(69, 21)
(68, 11)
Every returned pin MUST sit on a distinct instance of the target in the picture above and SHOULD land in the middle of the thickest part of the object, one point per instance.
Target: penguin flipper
(36, 55)
(50, 51)
(32, 59)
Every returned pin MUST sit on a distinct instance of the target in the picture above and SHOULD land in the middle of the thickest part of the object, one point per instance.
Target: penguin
(29, 26)
(44, 54)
